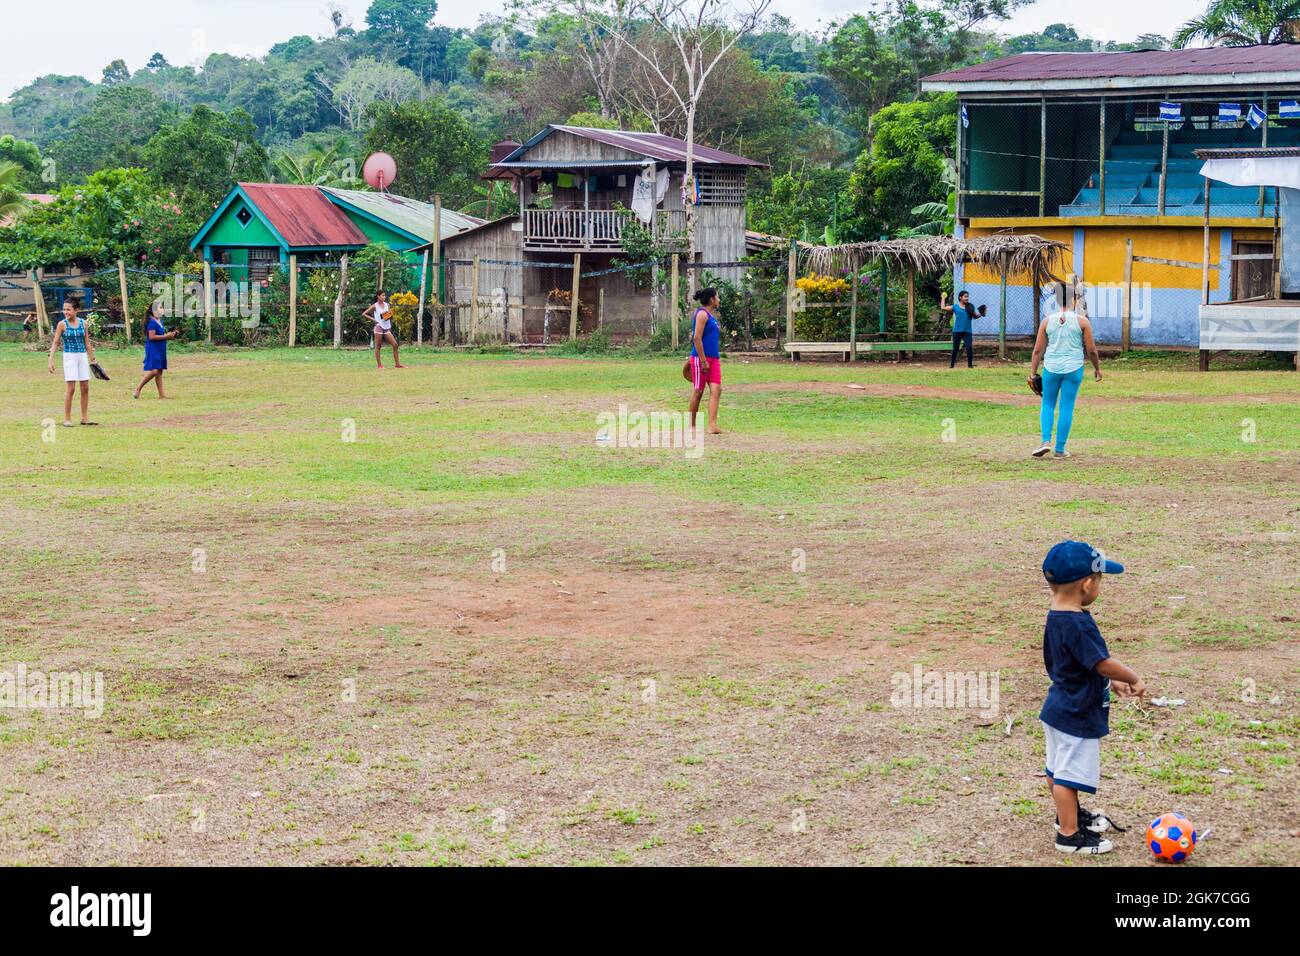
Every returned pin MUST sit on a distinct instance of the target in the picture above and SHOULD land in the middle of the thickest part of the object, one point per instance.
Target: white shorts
(1073, 762)
(76, 367)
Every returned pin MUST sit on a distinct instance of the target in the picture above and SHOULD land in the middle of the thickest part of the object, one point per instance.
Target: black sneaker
(1083, 841)
(1096, 822)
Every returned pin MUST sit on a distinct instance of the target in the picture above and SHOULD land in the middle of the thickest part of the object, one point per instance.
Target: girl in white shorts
(382, 312)
(78, 354)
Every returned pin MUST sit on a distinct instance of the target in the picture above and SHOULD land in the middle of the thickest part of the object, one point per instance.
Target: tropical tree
(1243, 23)
(12, 201)
(904, 167)
(200, 156)
(436, 150)
(321, 165)
(370, 81)
(938, 218)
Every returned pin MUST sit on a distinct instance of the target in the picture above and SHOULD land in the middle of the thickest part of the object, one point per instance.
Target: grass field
(474, 634)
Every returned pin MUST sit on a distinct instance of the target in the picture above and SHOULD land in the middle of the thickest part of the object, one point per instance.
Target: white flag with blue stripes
(1229, 112)
(1171, 112)
(965, 117)
(1288, 109)
(1255, 117)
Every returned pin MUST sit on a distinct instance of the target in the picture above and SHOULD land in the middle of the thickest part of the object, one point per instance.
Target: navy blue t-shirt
(1078, 702)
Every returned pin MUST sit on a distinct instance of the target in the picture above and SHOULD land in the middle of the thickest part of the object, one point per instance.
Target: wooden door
(1252, 278)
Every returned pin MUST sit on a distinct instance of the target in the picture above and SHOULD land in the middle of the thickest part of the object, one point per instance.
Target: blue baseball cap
(1073, 560)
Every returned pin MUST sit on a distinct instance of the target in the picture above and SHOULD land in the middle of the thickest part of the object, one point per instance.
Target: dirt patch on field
(620, 674)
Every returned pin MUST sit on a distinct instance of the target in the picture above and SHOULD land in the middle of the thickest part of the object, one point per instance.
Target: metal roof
(408, 215)
(1246, 152)
(481, 224)
(303, 216)
(39, 199)
(666, 149)
(1154, 69)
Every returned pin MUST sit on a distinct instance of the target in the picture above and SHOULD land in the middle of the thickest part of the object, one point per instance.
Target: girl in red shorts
(706, 360)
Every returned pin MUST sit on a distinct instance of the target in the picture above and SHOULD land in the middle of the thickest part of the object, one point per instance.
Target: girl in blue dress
(155, 349)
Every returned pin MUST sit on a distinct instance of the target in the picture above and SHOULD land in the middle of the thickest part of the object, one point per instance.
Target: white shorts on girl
(1073, 762)
(76, 367)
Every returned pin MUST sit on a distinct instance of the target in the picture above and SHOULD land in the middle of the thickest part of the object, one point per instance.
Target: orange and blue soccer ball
(1171, 837)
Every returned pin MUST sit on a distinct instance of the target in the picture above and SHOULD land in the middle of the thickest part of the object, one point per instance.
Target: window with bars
(721, 187)
(261, 262)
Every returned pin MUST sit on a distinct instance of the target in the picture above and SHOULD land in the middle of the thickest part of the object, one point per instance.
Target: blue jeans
(1066, 389)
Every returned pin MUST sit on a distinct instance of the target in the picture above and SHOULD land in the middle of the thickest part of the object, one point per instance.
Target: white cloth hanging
(1248, 171)
(645, 193)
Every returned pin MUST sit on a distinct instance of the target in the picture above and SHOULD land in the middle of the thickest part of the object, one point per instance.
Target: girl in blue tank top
(706, 357)
(78, 356)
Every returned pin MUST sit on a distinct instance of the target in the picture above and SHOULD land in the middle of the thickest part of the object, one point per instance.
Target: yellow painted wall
(1104, 250)
(978, 274)
(1103, 255)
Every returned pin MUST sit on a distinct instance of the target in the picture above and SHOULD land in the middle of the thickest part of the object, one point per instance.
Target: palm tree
(937, 218)
(12, 201)
(321, 166)
(1243, 23)
(493, 194)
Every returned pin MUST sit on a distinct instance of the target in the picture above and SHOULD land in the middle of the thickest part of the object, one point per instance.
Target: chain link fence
(1027, 158)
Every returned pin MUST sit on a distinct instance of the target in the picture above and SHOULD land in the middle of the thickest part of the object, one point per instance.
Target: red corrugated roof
(657, 146)
(1217, 61)
(303, 215)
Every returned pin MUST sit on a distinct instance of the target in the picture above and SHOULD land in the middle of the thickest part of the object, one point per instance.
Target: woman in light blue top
(1064, 341)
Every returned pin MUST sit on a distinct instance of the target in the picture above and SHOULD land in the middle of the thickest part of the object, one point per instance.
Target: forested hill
(817, 107)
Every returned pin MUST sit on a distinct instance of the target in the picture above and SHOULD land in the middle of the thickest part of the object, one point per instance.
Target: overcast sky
(82, 36)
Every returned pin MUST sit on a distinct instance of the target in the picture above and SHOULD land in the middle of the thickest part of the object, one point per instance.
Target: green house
(259, 225)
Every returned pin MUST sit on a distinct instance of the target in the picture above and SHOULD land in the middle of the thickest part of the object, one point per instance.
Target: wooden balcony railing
(594, 230)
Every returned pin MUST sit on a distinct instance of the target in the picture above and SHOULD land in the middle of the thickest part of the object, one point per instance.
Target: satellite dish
(379, 170)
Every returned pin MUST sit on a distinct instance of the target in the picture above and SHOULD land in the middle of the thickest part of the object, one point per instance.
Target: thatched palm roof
(1018, 254)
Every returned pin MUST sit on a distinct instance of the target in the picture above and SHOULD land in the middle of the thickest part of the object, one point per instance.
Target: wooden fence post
(293, 299)
(1038, 304)
(338, 301)
(207, 301)
(1002, 310)
(1126, 316)
(884, 294)
(573, 302)
(419, 309)
(126, 305)
(473, 300)
(675, 304)
(853, 317)
(911, 303)
(43, 325)
(749, 321)
(437, 246)
(790, 289)
(600, 308)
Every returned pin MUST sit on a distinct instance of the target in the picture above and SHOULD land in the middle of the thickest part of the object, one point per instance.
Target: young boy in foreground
(1075, 713)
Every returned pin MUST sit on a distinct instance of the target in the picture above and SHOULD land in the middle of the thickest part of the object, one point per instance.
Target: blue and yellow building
(1097, 150)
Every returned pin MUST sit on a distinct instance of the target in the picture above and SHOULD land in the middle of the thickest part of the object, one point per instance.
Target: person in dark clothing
(963, 313)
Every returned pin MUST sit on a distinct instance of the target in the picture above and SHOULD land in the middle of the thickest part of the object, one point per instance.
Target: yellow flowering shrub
(404, 305)
(823, 324)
